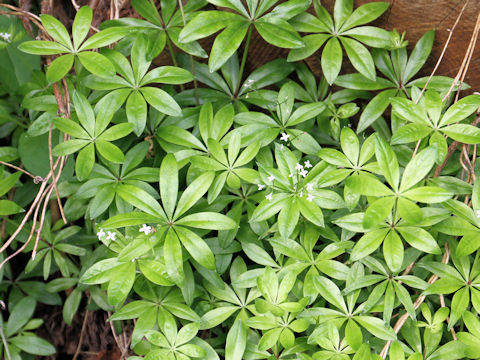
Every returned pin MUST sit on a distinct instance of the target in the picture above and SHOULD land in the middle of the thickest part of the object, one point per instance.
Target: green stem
(244, 57)
(172, 54)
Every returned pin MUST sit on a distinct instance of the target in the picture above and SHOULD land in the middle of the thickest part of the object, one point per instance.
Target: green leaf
(20, 315)
(97, 64)
(9, 182)
(109, 151)
(193, 193)
(376, 327)
(226, 43)
(419, 239)
(306, 112)
(387, 160)
(330, 292)
(33, 345)
(208, 220)
(161, 101)
(196, 247)
(216, 316)
(312, 43)
(419, 55)
(365, 14)
(84, 113)
(85, 161)
(279, 33)
(116, 132)
(377, 211)
(267, 208)
(101, 201)
(368, 243)
(56, 30)
(172, 252)
(393, 251)
(375, 108)
(41, 47)
(341, 12)
(59, 67)
(428, 194)
(360, 57)
(71, 305)
(463, 133)
(207, 23)
(410, 133)
(459, 305)
(331, 60)
(104, 38)
(461, 110)
(129, 219)
(311, 212)
(169, 183)
(8, 207)
(167, 75)
(81, 25)
(236, 341)
(179, 136)
(369, 185)
(99, 272)
(136, 109)
(121, 282)
(141, 200)
(418, 168)
(288, 218)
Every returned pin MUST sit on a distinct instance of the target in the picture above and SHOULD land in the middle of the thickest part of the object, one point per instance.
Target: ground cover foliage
(219, 214)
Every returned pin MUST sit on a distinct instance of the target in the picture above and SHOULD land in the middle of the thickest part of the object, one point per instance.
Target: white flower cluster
(113, 236)
(110, 235)
(5, 36)
(302, 171)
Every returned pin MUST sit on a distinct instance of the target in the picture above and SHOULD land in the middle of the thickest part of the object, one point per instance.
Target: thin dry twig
(82, 332)
(466, 60)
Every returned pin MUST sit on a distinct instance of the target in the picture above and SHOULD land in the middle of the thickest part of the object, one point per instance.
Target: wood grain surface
(416, 18)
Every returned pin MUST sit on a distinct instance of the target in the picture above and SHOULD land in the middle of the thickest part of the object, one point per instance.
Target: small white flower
(304, 172)
(133, 260)
(309, 187)
(145, 229)
(246, 96)
(298, 167)
(286, 97)
(111, 236)
(271, 178)
(260, 187)
(294, 187)
(290, 175)
(307, 164)
(284, 137)
(310, 197)
(5, 36)
(101, 234)
(478, 214)
(301, 193)
(250, 81)
(269, 196)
